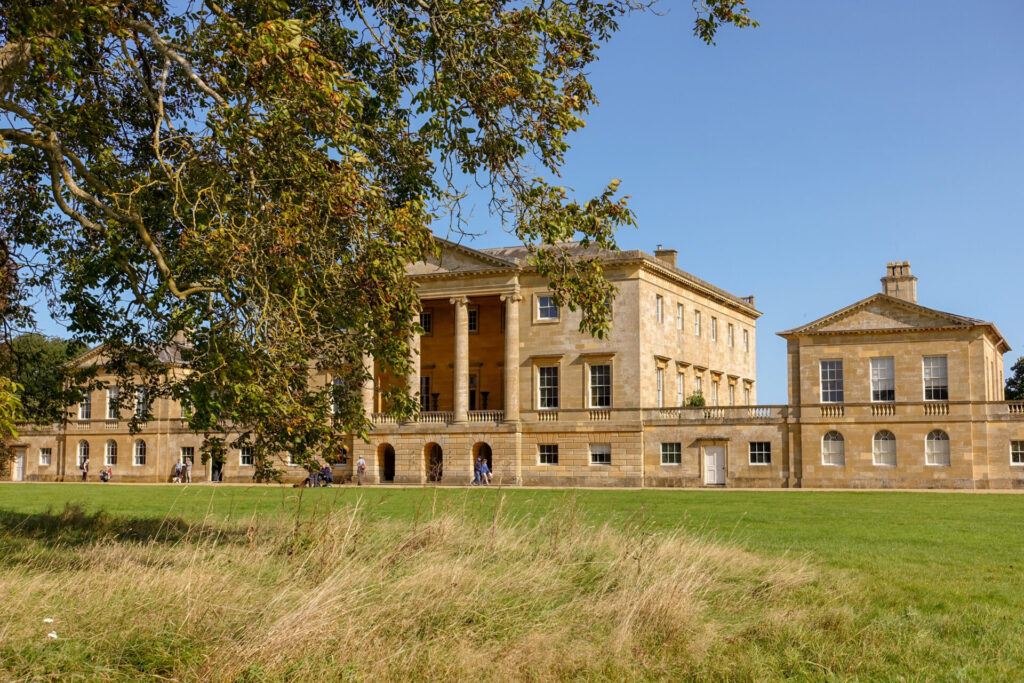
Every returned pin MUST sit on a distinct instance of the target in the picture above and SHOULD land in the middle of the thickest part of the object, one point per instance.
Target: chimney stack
(898, 281)
(666, 255)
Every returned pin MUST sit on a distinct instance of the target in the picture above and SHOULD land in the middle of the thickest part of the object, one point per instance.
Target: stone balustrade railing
(437, 416)
(486, 416)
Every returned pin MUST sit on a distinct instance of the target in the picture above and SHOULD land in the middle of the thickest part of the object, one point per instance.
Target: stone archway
(386, 458)
(483, 450)
(433, 459)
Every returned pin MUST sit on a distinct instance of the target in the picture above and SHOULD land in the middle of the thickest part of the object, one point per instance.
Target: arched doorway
(483, 450)
(434, 460)
(386, 457)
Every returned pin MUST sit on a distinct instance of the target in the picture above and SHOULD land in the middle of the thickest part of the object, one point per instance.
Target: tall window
(473, 322)
(659, 308)
(187, 453)
(671, 453)
(141, 402)
(1017, 452)
(714, 392)
(883, 379)
(110, 457)
(85, 408)
(728, 335)
(714, 329)
(337, 395)
(746, 396)
(936, 448)
(547, 383)
(831, 381)
(425, 392)
(732, 394)
(883, 448)
(833, 449)
(936, 381)
(245, 456)
(83, 452)
(600, 386)
(679, 317)
(660, 373)
(680, 389)
(427, 322)
(140, 453)
(600, 454)
(546, 308)
(698, 384)
(547, 453)
(113, 412)
(696, 323)
(746, 341)
(760, 452)
(45, 457)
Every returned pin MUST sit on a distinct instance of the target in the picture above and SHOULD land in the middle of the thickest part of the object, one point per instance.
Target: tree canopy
(1015, 382)
(245, 181)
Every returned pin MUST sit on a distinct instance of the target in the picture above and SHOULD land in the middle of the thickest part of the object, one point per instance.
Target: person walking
(176, 474)
(476, 472)
(85, 468)
(188, 470)
(360, 470)
(485, 473)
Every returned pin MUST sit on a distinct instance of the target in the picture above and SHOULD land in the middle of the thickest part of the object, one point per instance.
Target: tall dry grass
(345, 595)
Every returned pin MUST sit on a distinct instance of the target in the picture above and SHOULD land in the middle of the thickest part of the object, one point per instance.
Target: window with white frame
(679, 317)
(760, 452)
(292, 460)
(427, 322)
(83, 452)
(696, 323)
(699, 384)
(85, 408)
(140, 453)
(728, 335)
(110, 453)
(600, 386)
(936, 448)
(547, 387)
(714, 329)
(425, 392)
(113, 412)
(746, 396)
(732, 394)
(660, 375)
(833, 449)
(546, 308)
(473, 322)
(141, 401)
(337, 395)
(187, 453)
(883, 379)
(831, 381)
(659, 308)
(714, 392)
(671, 453)
(883, 448)
(245, 456)
(936, 380)
(1017, 452)
(680, 389)
(186, 411)
(746, 341)
(547, 453)
(600, 454)
(45, 457)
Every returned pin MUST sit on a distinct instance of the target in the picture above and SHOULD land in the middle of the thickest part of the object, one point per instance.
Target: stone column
(413, 378)
(461, 360)
(511, 399)
(367, 388)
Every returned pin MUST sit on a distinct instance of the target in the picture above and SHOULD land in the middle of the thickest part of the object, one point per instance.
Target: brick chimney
(898, 282)
(666, 255)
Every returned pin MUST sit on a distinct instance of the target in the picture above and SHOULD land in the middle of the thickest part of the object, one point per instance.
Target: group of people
(481, 473)
(182, 472)
(321, 477)
(105, 475)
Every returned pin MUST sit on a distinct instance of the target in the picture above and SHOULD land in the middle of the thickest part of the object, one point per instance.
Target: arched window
(833, 449)
(140, 452)
(936, 448)
(83, 452)
(111, 458)
(883, 448)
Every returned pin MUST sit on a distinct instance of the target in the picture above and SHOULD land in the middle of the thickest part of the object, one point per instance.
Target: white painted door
(19, 465)
(714, 465)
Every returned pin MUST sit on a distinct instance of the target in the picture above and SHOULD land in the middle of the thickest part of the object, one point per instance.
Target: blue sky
(794, 160)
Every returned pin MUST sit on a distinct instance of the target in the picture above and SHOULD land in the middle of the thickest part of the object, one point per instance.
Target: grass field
(388, 583)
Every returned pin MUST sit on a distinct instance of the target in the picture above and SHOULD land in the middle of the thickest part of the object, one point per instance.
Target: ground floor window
(548, 454)
(187, 453)
(83, 452)
(833, 449)
(671, 453)
(1017, 452)
(883, 448)
(245, 457)
(600, 454)
(760, 453)
(45, 455)
(140, 452)
(936, 448)
(110, 457)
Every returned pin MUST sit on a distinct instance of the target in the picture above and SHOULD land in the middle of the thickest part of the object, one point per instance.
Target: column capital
(459, 300)
(514, 297)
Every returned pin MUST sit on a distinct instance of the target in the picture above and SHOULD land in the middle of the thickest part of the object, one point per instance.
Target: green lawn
(925, 585)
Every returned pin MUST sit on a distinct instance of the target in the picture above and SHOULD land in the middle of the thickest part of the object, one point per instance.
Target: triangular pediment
(456, 258)
(880, 313)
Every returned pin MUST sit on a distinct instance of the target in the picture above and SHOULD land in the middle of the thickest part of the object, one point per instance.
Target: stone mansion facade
(883, 393)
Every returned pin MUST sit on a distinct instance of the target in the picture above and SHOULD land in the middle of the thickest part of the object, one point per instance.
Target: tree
(236, 188)
(38, 365)
(1015, 382)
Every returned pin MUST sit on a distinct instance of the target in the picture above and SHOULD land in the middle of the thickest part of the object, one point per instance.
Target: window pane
(1017, 452)
(546, 308)
(547, 377)
(760, 453)
(883, 448)
(548, 454)
(936, 383)
(600, 386)
(660, 374)
(112, 397)
(831, 381)
(833, 449)
(883, 379)
(600, 454)
(671, 453)
(936, 448)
